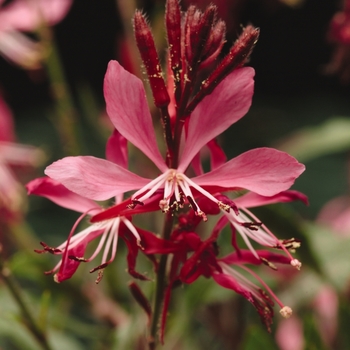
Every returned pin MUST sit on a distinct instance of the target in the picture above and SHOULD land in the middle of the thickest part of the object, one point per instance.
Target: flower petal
(228, 103)
(94, 178)
(28, 15)
(265, 171)
(251, 199)
(6, 123)
(69, 266)
(57, 193)
(117, 149)
(129, 112)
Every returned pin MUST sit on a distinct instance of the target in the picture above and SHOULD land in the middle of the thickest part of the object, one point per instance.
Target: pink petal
(6, 123)
(230, 282)
(69, 266)
(290, 334)
(129, 112)
(94, 178)
(251, 199)
(228, 103)
(247, 257)
(117, 149)
(27, 15)
(265, 171)
(57, 193)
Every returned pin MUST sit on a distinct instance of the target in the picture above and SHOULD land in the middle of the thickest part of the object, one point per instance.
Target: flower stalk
(161, 284)
(9, 280)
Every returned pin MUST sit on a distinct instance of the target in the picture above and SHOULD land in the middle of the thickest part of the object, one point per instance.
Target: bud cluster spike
(237, 57)
(150, 59)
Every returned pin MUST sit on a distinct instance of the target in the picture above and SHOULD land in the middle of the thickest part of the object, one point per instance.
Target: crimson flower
(193, 257)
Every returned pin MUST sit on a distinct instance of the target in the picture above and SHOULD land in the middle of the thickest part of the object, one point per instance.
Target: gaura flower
(265, 171)
(108, 231)
(26, 16)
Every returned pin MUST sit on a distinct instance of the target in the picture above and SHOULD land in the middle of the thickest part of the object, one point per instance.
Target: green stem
(15, 290)
(161, 284)
(66, 122)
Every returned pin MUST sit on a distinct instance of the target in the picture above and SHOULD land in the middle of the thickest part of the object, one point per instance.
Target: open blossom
(26, 16)
(13, 154)
(108, 231)
(264, 171)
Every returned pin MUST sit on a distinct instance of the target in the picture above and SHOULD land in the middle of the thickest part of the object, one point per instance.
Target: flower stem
(160, 285)
(66, 115)
(14, 289)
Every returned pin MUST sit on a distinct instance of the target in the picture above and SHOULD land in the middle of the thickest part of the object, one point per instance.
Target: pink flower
(12, 155)
(26, 16)
(265, 171)
(108, 231)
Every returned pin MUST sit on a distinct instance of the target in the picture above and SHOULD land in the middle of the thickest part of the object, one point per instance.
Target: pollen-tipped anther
(296, 263)
(286, 312)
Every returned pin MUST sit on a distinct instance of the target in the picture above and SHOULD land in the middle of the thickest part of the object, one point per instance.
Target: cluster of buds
(195, 42)
(196, 105)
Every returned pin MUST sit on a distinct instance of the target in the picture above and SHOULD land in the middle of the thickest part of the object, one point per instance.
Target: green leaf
(312, 142)
(258, 338)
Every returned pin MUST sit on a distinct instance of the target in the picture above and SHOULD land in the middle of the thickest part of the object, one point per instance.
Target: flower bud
(140, 298)
(214, 44)
(197, 31)
(173, 26)
(150, 59)
(237, 57)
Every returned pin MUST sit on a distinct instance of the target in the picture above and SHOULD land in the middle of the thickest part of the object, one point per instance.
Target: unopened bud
(237, 57)
(214, 44)
(173, 26)
(140, 298)
(197, 31)
(150, 59)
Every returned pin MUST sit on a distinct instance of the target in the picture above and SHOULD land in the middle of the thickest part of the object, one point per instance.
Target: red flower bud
(149, 55)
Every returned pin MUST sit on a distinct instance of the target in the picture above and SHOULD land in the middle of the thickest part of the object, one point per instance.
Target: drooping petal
(121, 209)
(68, 265)
(94, 178)
(251, 199)
(228, 103)
(27, 15)
(129, 112)
(265, 171)
(230, 282)
(57, 193)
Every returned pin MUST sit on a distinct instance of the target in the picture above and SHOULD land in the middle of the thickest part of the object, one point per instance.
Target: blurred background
(301, 105)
